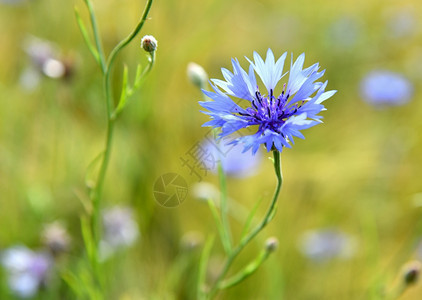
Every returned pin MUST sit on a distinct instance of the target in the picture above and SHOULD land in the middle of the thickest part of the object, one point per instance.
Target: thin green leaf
(85, 35)
(249, 220)
(138, 78)
(203, 263)
(97, 39)
(73, 282)
(124, 94)
(246, 272)
(88, 239)
(91, 169)
(220, 228)
(141, 73)
(92, 291)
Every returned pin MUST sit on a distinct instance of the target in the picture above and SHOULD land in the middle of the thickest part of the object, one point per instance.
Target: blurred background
(349, 214)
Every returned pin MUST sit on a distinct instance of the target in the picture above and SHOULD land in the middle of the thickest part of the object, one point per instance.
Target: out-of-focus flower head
(386, 88)
(204, 191)
(411, 272)
(233, 160)
(326, 244)
(191, 240)
(344, 32)
(197, 75)
(120, 230)
(56, 238)
(402, 23)
(270, 119)
(271, 244)
(45, 60)
(27, 270)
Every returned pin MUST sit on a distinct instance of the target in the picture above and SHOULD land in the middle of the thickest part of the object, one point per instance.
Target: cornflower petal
(269, 71)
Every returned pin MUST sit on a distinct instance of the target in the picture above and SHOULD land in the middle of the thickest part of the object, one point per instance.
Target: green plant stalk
(106, 68)
(129, 38)
(97, 192)
(201, 295)
(224, 209)
(246, 272)
(96, 35)
(267, 218)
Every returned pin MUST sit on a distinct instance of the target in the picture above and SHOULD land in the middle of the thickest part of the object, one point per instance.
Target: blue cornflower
(278, 119)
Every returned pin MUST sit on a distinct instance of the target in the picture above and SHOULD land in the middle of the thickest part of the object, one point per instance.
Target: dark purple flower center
(270, 112)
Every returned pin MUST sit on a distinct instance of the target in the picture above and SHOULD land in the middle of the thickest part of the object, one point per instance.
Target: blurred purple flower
(120, 230)
(27, 270)
(326, 244)
(386, 88)
(233, 161)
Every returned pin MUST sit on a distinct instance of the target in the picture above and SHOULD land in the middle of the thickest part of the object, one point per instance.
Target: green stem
(267, 218)
(96, 193)
(246, 272)
(130, 37)
(96, 35)
(224, 210)
(104, 165)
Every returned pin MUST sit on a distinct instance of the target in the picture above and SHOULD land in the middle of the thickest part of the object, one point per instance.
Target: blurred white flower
(45, 60)
(204, 191)
(119, 230)
(402, 23)
(344, 33)
(30, 78)
(27, 270)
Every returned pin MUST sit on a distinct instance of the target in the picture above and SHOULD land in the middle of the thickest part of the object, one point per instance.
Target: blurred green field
(359, 172)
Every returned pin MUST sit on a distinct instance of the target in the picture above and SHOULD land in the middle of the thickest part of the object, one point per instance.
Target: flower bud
(203, 191)
(191, 240)
(56, 238)
(271, 244)
(149, 43)
(411, 272)
(197, 75)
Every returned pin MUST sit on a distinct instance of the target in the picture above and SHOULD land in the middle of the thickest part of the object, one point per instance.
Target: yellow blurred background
(359, 172)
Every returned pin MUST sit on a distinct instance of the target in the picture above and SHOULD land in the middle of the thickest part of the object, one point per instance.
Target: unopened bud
(271, 244)
(192, 240)
(56, 238)
(411, 272)
(197, 75)
(149, 43)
